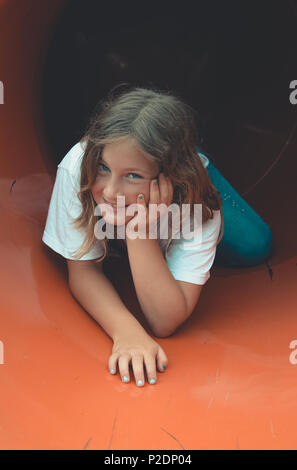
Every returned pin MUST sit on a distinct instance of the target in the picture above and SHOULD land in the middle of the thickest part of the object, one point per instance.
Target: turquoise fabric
(247, 239)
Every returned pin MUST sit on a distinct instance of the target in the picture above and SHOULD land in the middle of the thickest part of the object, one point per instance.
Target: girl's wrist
(129, 325)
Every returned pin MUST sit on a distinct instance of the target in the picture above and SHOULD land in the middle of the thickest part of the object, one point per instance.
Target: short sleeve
(191, 260)
(59, 234)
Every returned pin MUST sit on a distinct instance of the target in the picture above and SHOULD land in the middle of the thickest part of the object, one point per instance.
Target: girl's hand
(161, 193)
(139, 348)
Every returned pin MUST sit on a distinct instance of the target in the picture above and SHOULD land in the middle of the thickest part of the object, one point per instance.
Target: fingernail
(156, 182)
(152, 381)
(140, 382)
(125, 379)
(112, 371)
(163, 367)
(140, 196)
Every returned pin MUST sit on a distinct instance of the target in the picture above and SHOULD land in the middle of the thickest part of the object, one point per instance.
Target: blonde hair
(163, 127)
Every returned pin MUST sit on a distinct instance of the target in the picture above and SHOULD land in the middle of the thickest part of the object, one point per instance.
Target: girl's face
(123, 171)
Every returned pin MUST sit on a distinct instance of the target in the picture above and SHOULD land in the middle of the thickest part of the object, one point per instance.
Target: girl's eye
(101, 164)
(138, 176)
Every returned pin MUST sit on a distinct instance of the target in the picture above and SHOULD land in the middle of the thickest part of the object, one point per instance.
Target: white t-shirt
(186, 260)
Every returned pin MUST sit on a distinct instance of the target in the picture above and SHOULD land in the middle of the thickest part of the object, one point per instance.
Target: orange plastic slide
(231, 381)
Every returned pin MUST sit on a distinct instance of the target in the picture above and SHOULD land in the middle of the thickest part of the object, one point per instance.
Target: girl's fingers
(150, 365)
(112, 363)
(162, 360)
(124, 367)
(164, 191)
(170, 191)
(137, 364)
(154, 192)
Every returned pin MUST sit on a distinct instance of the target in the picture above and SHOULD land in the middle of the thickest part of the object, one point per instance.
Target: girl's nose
(111, 194)
(111, 190)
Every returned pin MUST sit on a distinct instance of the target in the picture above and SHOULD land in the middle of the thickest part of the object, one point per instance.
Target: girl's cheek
(131, 193)
(96, 191)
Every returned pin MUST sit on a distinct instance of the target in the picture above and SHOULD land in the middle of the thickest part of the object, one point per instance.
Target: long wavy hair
(164, 128)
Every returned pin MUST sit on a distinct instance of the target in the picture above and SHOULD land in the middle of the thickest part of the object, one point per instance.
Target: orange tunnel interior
(231, 381)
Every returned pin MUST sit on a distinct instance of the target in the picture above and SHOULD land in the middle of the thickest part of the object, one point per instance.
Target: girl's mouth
(114, 206)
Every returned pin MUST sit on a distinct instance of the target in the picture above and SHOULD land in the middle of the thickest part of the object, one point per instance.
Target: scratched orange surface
(229, 383)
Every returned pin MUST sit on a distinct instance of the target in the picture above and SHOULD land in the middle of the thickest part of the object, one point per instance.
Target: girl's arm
(97, 295)
(161, 298)
(132, 343)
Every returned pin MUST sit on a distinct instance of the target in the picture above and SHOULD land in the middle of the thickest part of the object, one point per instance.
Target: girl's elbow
(171, 329)
(163, 334)
(169, 332)
(163, 331)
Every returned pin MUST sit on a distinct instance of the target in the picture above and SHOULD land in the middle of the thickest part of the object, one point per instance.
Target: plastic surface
(229, 384)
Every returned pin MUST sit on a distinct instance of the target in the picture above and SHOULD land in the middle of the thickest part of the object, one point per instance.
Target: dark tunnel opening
(231, 61)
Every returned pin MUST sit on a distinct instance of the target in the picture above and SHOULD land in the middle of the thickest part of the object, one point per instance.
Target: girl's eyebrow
(130, 169)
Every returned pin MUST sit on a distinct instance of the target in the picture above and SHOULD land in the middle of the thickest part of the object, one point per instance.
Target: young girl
(142, 142)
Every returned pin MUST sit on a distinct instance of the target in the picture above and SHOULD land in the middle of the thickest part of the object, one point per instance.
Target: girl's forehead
(127, 153)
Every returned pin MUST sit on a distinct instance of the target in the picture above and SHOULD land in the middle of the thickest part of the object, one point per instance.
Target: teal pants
(247, 239)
